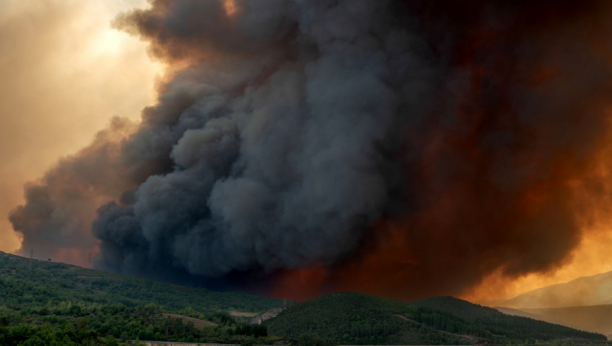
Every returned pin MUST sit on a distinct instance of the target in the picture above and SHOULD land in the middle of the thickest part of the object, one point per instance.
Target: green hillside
(355, 318)
(25, 282)
(45, 303)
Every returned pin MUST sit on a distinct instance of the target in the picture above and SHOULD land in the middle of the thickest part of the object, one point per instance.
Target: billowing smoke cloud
(281, 144)
(59, 210)
(399, 148)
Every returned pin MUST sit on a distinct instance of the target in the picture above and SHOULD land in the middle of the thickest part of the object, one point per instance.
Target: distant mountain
(514, 326)
(596, 318)
(584, 291)
(356, 318)
(517, 312)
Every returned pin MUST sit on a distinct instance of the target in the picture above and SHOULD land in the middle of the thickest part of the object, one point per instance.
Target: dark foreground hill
(355, 318)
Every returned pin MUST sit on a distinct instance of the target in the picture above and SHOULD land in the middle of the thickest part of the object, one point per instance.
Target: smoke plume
(398, 148)
(65, 73)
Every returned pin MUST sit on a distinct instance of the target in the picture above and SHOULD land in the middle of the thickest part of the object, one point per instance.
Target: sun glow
(591, 256)
(230, 7)
(66, 73)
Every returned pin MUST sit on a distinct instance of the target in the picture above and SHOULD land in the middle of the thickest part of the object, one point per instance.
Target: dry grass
(201, 324)
(406, 318)
(243, 314)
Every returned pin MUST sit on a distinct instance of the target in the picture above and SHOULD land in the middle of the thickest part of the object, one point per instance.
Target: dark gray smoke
(279, 135)
(410, 148)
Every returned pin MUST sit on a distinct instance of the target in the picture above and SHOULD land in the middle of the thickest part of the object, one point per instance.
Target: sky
(66, 72)
(72, 68)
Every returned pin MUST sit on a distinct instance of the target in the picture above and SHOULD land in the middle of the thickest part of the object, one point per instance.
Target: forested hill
(52, 304)
(356, 318)
(25, 282)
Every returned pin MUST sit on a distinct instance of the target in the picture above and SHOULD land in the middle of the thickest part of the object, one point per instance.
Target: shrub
(315, 340)
(82, 323)
(248, 342)
(111, 341)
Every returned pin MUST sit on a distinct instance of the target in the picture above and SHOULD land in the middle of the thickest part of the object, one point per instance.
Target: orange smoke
(494, 229)
(591, 201)
(300, 285)
(75, 256)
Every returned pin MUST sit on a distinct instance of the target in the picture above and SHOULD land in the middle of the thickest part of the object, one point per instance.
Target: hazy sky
(65, 73)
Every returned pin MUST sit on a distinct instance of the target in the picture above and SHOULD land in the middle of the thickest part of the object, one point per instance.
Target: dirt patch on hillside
(198, 323)
(243, 314)
(267, 315)
(406, 318)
